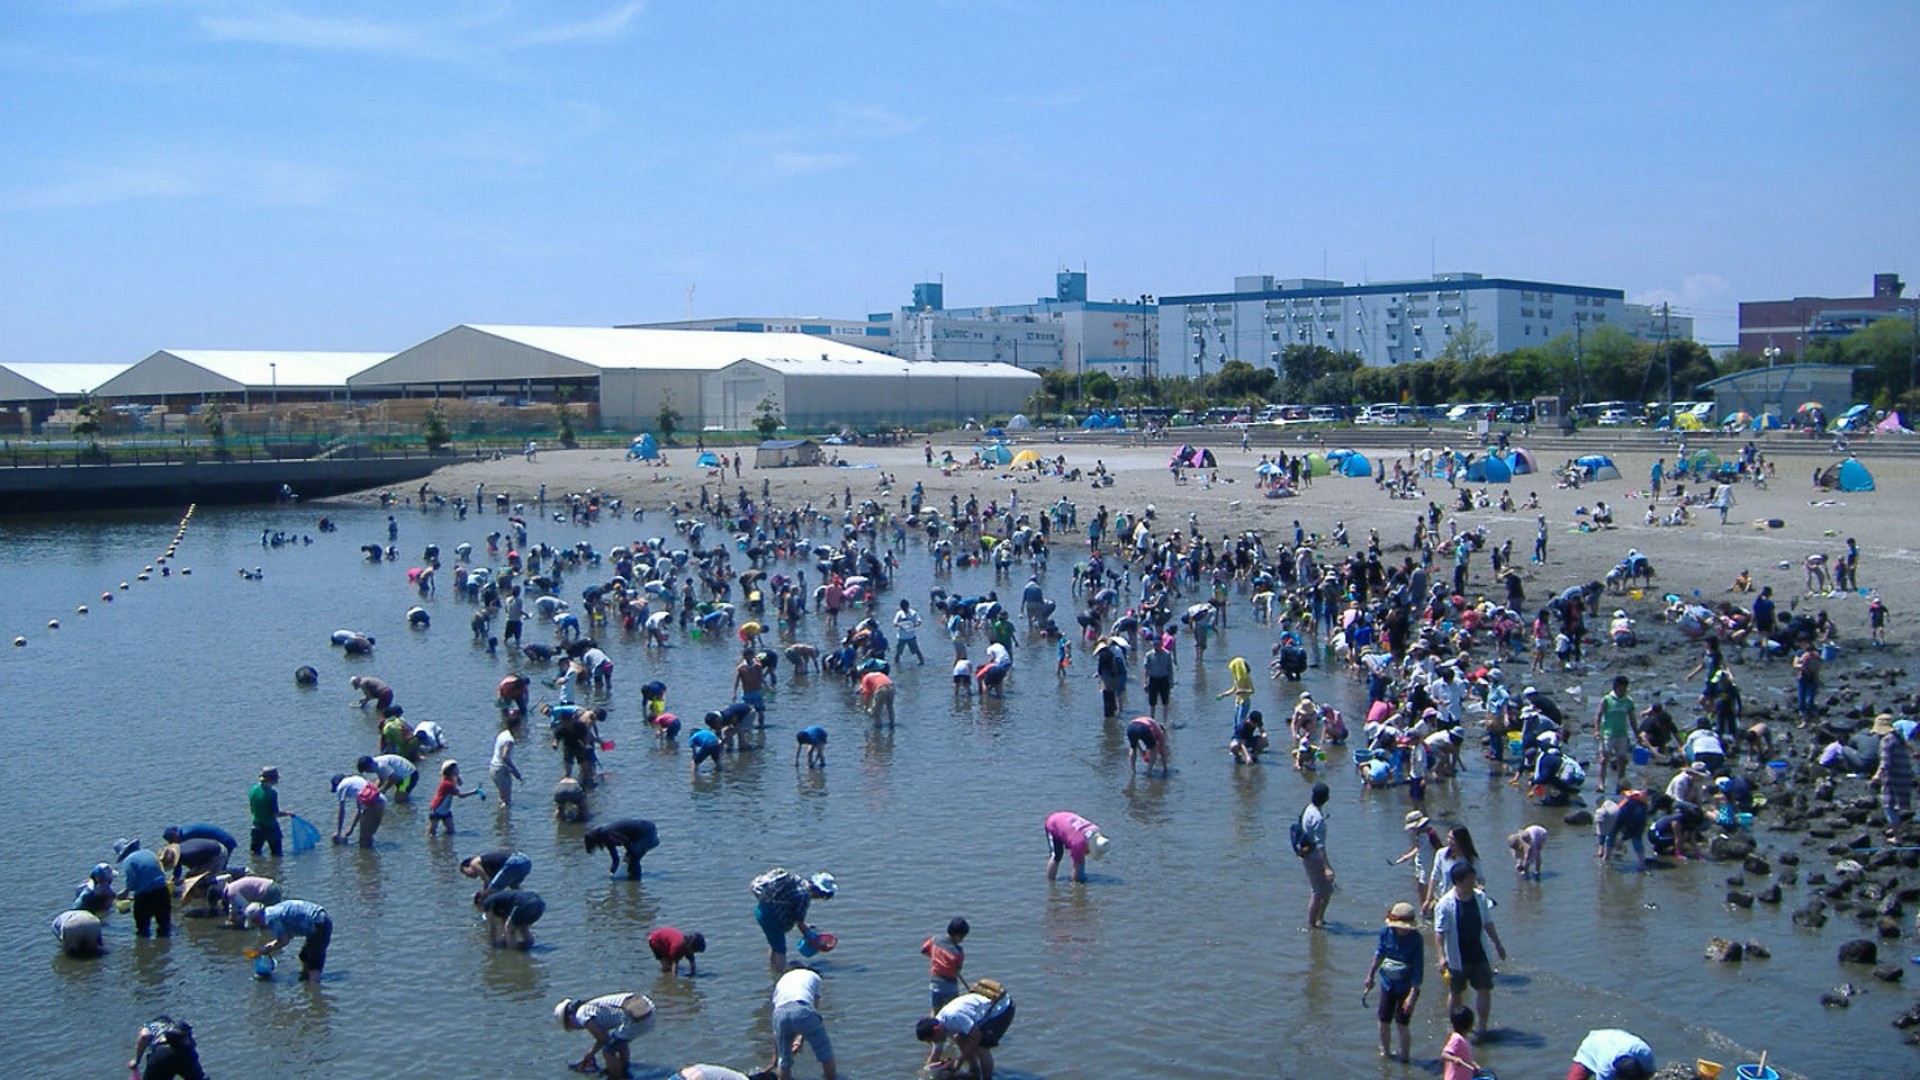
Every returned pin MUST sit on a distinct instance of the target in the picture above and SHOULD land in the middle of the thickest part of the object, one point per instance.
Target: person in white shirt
(796, 1018)
(906, 633)
(975, 1022)
(502, 769)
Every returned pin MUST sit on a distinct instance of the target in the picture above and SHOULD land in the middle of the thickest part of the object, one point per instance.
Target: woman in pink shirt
(1072, 835)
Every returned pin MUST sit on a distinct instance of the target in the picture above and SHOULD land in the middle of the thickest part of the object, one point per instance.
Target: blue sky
(343, 175)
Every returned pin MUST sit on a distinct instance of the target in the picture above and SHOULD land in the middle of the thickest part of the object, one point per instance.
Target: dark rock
(1910, 1018)
(1834, 999)
(1729, 847)
(1757, 951)
(1889, 928)
(1787, 858)
(1758, 866)
(1579, 817)
(1739, 899)
(1889, 973)
(1881, 860)
(1860, 951)
(1909, 893)
(1816, 878)
(1822, 832)
(1862, 841)
(1770, 895)
(1720, 950)
(1789, 876)
(1810, 917)
(1823, 791)
(1737, 879)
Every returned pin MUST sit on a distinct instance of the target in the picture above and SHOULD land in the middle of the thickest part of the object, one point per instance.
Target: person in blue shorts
(811, 741)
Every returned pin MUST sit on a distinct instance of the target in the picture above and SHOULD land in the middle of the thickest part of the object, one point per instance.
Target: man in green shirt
(1613, 724)
(263, 799)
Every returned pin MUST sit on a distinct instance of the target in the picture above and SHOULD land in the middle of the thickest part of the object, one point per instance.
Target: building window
(1529, 330)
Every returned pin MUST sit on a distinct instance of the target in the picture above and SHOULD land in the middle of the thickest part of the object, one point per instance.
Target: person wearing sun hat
(782, 898)
(613, 1020)
(1895, 774)
(1419, 829)
(1072, 836)
(1399, 965)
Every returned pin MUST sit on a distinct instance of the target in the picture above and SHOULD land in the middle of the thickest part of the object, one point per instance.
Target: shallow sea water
(1183, 956)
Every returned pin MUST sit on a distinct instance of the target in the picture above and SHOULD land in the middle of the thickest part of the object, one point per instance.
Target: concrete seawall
(40, 489)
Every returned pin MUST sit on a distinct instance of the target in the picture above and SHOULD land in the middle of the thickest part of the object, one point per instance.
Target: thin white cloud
(294, 30)
(267, 182)
(874, 121)
(605, 28)
(797, 164)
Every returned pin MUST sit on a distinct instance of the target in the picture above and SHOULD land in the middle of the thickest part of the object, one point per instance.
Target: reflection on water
(1188, 928)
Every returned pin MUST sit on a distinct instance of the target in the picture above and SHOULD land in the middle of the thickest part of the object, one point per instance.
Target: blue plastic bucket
(1642, 755)
(1756, 1072)
(1779, 769)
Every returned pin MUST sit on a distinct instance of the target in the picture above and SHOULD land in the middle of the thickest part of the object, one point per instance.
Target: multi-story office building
(1386, 323)
(1065, 331)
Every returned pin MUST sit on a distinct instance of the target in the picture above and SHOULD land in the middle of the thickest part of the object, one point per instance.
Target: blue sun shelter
(1848, 475)
(644, 448)
(1489, 470)
(1356, 464)
(709, 460)
(1598, 467)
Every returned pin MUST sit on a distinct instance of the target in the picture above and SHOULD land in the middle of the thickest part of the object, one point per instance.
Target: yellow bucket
(1707, 1070)
(1638, 595)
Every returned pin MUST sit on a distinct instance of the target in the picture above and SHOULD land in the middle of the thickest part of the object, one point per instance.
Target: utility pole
(1666, 349)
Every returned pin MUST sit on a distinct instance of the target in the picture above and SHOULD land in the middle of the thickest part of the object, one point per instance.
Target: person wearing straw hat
(613, 1020)
(1399, 965)
(263, 805)
(1069, 834)
(1895, 774)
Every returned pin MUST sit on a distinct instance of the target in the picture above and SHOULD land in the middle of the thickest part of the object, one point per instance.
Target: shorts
(1140, 734)
(994, 1028)
(1159, 690)
(1316, 865)
(406, 786)
(773, 927)
(1617, 748)
(443, 812)
(796, 1020)
(755, 698)
(511, 873)
(1479, 976)
(1393, 1005)
(527, 912)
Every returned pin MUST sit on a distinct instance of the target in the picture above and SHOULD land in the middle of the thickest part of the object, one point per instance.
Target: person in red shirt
(670, 946)
(440, 811)
(944, 958)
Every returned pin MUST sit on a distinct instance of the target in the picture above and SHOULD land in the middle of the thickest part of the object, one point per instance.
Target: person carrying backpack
(164, 1050)
(1309, 838)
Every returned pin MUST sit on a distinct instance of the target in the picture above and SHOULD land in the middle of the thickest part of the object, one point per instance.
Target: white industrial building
(713, 380)
(1387, 323)
(181, 378)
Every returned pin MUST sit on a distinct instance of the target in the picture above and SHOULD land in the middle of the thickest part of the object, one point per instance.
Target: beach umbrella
(1738, 419)
(1766, 422)
(1809, 406)
(1270, 468)
(1855, 411)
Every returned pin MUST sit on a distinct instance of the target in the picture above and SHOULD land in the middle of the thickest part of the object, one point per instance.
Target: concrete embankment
(39, 489)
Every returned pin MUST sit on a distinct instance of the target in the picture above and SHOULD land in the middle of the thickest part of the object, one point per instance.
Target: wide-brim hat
(823, 884)
(563, 1010)
(169, 857)
(124, 847)
(1416, 820)
(1099, 844)
(1699, 769)
(1401, 914)
(1883, 724)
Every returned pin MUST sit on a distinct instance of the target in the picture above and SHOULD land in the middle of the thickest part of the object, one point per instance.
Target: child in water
(1527, 846)
(440, 811)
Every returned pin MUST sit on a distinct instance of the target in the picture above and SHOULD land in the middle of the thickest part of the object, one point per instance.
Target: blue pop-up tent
(998, 454)
(1356, 465)
(1848, 475)
(709, 460)
(1598, 467)
(644, 447)
(1490, 470)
